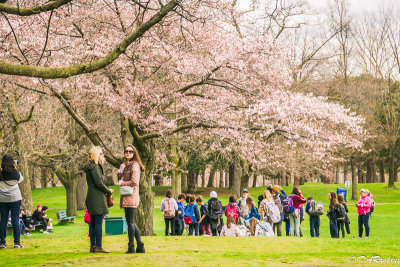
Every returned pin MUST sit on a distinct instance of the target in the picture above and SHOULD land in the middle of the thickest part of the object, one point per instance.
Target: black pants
(363, 220)
(333, 227)
(179, 226)
(133, 230)
(341, 228)
(167, 222)
(194, 229)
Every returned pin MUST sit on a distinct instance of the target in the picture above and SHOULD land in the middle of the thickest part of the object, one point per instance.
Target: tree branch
(65, 72)
(33, 10)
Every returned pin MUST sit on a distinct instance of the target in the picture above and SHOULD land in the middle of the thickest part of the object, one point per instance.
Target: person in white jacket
(10, 199)
(230, 229)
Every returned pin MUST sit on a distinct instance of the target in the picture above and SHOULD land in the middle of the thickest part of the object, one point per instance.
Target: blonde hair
(267, 195)
(94, 154)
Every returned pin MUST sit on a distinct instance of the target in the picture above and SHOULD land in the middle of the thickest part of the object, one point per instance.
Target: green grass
(69, 244)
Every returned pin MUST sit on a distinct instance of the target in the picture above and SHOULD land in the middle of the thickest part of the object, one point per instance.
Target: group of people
(274, 207)
(198, 218)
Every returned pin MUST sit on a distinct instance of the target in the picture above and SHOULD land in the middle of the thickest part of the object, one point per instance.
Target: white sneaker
(2, 246)
(46, 232)
(18, 246)
(27, 234)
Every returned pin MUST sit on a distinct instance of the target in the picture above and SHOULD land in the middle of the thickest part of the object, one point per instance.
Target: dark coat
(96, 201)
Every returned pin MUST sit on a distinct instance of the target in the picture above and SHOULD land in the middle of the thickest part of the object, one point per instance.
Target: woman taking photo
(129, 177)
(96, 201)
(10, 199)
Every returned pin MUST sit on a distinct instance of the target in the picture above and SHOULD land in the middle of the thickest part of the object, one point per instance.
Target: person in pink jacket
(363, 208)
(129, 175)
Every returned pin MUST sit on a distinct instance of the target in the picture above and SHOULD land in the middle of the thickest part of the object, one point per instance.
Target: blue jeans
(5, 208)
(96, 230)
(194, 227)
(314, 226)
(333, 227)
(363, 220)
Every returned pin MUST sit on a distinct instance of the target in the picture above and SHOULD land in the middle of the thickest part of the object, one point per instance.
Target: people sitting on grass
(39, 216)
(179, 220)
(204, 222)
(169, 208)
(364, 205)
(215, 212)
(230, 229)
(252, 208)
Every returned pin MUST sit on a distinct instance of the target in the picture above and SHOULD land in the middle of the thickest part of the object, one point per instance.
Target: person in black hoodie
(344, 221)
(10, 199)
(215, 212)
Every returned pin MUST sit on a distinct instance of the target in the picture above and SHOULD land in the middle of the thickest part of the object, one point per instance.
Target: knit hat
(213, 194)
(38, 206)
(245, 190)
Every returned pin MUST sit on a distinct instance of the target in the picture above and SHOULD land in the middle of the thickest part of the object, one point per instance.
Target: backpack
(263, 229)
(340, 212)
(189, 216)
(288, 205)
(232, 212)
(169, 210)
(216, 210)
(372, 209)
(273, 211)
(316, 208)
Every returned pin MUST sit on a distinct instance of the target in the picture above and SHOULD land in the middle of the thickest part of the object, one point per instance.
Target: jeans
(133, 230)
(278, 228)
(295, 223)
(21, 225)
(333, 227)
(167, 222)
(363, 220)
(314, 225)
(14, 207)
(96, 230)
(194, 227)
(341, 228)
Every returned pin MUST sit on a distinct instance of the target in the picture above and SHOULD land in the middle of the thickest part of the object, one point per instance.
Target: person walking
(363, 208)
(96, 201)
(10, 199)
(129, 176)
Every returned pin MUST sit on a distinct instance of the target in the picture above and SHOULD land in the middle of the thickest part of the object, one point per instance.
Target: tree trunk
(396, 169)
(231, 174)
(391, 170)
(33, 176)
(221, 179)
(254, 180)
(227, 176)
(369, 170)
(296, 181)
(381, 171)
(345, 172)
(337, 174)
(354, 182)
(176, 182)
(359, 173)
(191, 182)
(212, 177)
(203, 178)
(184, 179)
(69, 180)
(302, 181)
(81, 191)
(236, 180)
(373, 169)
(25, 186)
(44, 177)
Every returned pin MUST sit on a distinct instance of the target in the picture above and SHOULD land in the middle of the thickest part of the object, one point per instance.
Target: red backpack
(169, 210)
(231, 211)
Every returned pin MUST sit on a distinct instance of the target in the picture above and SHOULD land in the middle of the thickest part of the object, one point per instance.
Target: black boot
(140, 248)
(131, 250)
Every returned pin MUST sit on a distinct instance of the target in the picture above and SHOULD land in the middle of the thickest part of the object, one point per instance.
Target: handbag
(126, 190)
(110, 200)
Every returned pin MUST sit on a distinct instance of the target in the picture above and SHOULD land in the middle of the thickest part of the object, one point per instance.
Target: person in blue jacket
(314, 219)
(179, 220)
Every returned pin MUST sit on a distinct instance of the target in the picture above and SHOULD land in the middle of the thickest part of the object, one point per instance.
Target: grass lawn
(69, 244)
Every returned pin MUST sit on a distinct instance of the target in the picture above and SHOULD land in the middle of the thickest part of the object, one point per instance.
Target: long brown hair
(230, 221)
(334, 200)
(136, 157)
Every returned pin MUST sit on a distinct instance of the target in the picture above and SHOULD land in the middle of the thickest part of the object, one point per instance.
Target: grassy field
(69, 244)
